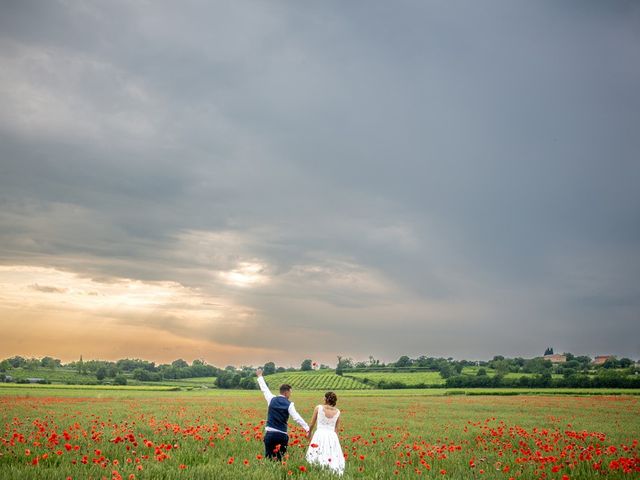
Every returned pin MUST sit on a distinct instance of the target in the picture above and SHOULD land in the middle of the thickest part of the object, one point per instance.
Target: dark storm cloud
(443, 178)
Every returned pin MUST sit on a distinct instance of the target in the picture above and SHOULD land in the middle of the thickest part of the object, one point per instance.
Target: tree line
(576, 371)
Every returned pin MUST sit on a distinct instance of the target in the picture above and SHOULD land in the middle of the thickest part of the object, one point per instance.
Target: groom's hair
(285, 387)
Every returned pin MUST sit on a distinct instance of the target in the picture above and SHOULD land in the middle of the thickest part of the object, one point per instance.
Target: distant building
(600, 359)
(556, 358)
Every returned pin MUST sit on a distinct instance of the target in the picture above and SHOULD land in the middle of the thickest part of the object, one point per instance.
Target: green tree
(248, 383)
(49, 362)
(32, 364)
(120, 379)
(403, 361)
(17, 361)
(306, 365)
(269, 368)
(142, 375)
(180, 363)
(101, 373)
(446, 370)
(625, 362)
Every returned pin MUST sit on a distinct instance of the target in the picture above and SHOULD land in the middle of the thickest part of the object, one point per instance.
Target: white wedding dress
(324, 449)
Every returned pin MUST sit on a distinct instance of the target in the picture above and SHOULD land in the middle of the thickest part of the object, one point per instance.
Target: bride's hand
(259, 372)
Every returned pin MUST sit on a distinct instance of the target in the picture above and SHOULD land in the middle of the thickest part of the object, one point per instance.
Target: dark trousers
(275, 444)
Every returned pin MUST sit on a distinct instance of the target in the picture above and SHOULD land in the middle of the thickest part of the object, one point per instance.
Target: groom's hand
(259, 372)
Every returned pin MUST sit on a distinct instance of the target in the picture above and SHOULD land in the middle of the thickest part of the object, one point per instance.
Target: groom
(276, 438)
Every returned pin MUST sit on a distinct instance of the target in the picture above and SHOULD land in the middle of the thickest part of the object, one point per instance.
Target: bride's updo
(331, 398)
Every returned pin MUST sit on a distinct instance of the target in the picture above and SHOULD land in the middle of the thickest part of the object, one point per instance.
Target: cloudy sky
(247, 181)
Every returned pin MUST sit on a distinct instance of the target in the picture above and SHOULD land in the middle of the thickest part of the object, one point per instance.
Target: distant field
(314, 381)
(193, 382)
(29, 387)
(408, 378)
(55, 375)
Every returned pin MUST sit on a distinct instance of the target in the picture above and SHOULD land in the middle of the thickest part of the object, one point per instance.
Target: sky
(250, 181)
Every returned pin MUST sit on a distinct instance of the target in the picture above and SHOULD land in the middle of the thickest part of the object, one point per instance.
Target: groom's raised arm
(263, 386)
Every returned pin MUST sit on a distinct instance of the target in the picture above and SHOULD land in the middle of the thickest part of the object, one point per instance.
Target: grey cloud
(481, 158)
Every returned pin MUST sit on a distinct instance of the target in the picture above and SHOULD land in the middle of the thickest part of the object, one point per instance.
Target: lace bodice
(326, 422)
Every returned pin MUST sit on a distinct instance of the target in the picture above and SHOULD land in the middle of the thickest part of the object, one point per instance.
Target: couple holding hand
(324, 449)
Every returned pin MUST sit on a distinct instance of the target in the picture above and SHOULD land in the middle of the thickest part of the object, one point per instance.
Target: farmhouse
(600, 359)
(556, 358)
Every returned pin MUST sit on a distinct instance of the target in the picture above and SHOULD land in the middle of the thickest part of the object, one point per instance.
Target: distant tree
(482, 372)
(373, 362)
(228, 379)
(101, 373)
(343, 363)
(5, 365)
(585, 361)
(280, 369)
(248, 383)
(548, 351)
(501, 366)
(142, 375)
(537, 365)
(269, 368)
(128, 365)
(49, 362)
(306, 365)
(32, 364)
(81, 369)
(446, 370)
(625, 362)
(424, 361)
(120, 379)
(403, 361)
(180, 363)
(17, 361)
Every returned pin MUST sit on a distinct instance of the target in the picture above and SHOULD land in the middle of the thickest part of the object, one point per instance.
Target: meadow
(50, 433)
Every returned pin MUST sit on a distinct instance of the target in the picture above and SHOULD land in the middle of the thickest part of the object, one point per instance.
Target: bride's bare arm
(337, 422)
(314, 420)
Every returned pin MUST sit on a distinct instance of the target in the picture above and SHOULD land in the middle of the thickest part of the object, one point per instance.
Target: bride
(324, 449)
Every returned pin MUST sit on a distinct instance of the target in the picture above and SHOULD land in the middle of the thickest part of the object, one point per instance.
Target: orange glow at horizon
(44, 311)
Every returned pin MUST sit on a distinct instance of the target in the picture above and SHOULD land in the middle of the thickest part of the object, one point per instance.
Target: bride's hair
(331, 398)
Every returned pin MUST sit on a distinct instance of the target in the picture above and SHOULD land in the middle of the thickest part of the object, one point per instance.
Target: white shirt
(292, 409)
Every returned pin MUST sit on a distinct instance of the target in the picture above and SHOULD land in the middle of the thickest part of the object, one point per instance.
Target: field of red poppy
(218, 435)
